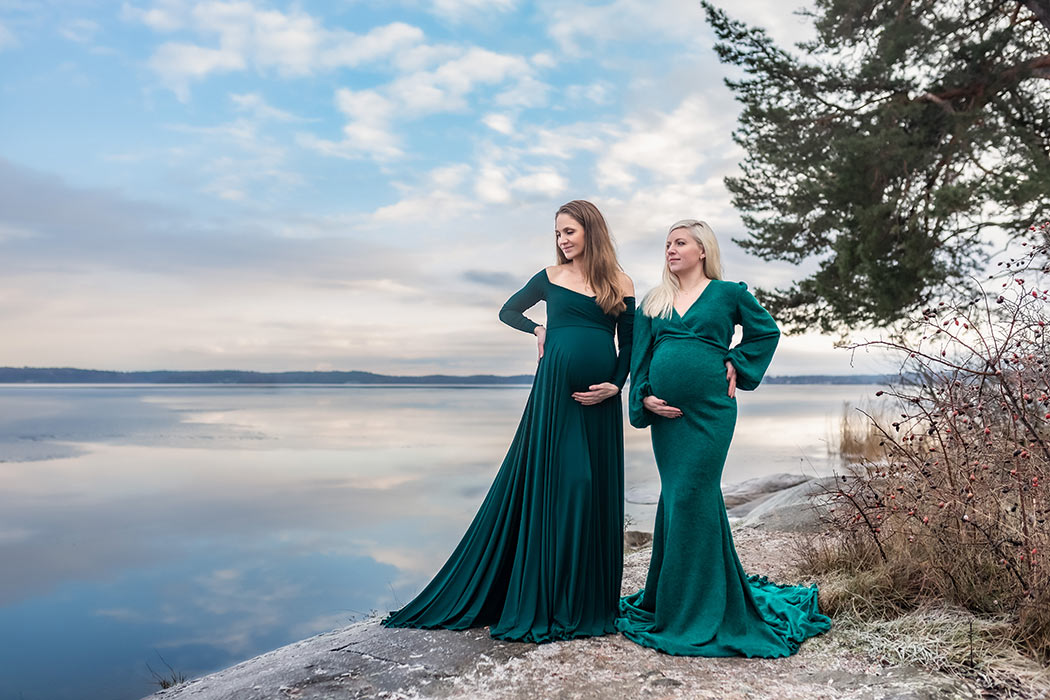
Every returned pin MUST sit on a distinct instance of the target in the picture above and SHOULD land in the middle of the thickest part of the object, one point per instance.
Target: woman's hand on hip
(731, 378)
(597, 393)
(660, 407)
(541, 335)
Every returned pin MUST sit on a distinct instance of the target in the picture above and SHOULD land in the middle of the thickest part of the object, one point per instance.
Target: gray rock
(646, 494)
(739, 493)
(366, 660)
(897, 683)
(752, 489)
(363, 660)
(797, 509)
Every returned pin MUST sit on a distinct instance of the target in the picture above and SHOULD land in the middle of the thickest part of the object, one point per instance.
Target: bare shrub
(954, 508)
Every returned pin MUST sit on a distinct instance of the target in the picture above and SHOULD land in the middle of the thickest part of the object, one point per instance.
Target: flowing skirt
(543, 558)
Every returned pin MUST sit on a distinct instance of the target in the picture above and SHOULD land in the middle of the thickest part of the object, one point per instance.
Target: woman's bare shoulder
(626, 284)
(555, 272)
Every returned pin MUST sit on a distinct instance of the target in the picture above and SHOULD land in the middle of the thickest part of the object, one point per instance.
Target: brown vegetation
(952, 508)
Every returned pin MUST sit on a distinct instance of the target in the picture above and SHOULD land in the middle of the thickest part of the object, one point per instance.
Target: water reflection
(210, 524)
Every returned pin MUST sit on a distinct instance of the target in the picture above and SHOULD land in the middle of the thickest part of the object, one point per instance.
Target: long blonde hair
(598, 258)
(660, 300)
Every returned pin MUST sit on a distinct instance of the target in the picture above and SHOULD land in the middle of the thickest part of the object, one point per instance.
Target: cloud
(254, 103)
(373, 114)
(291, 44)
(391, 40)
(543, 60)
(369, 131)
(81, 30)
(445, 88)
(575, 26)
(564, 142)
(544, 182)
(489, 278)
(164, 16)
(670, 146)
(600, 93)
(491, 185)
(422, 56)
(98, 229)
(458, 8)
(499, 122)
(526, 92)
(7, 38)
(238, 156)
(8, 232)
(432, 79)
(177, 64)
(437, 198)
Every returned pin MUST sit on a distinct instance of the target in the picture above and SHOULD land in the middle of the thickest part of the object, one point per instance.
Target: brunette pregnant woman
(543, 558)
(697, 600)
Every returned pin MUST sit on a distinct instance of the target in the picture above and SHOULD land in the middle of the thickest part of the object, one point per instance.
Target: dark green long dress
(543, 558)
(697, 600)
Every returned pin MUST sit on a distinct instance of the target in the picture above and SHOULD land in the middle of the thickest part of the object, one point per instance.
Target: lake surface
(201, 525)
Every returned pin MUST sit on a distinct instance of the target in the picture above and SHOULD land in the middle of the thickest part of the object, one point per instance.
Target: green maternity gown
(697, 600)
(543, 558)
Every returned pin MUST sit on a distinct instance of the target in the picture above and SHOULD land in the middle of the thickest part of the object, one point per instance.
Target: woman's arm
(624, 343)
(752, 355)
(528, 296)
(641, 354)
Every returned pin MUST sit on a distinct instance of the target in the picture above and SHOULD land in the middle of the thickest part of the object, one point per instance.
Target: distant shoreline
(68, 375)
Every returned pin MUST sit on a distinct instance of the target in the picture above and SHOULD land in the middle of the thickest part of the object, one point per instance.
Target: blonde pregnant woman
(697, 600)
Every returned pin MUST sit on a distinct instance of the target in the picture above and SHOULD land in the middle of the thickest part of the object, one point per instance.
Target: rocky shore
(365, 660)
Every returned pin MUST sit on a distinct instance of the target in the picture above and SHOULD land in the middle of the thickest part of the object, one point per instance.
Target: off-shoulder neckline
(585, 296)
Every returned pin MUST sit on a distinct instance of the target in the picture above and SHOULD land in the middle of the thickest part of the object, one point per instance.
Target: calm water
(206, 524)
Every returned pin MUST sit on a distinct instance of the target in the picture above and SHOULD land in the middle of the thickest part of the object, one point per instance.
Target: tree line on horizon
(70, 375)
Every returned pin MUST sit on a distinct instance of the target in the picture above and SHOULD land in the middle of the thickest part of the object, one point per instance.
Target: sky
(352, 184)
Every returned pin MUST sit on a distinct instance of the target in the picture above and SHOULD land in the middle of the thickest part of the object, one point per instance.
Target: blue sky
(345, 185)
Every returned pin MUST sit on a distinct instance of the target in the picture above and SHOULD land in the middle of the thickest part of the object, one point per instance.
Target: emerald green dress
(697, 600)
(543, 558)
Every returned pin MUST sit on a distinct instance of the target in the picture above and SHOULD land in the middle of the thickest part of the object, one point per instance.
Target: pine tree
(884, 150)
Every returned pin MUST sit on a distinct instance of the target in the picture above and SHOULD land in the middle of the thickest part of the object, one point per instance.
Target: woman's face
(683, 253)
(569, 236)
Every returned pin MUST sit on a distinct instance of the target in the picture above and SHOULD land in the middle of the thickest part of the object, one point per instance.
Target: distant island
(68, 375)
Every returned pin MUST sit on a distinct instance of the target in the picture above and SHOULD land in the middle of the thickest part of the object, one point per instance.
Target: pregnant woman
(543, 558)
(697, 601)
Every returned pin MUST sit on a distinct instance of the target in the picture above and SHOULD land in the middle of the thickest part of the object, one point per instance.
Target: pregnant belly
(580, 356)
(687, 372)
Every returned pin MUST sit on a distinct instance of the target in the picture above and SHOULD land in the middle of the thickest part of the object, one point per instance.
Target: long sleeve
(624, 342)
(752, 355)
(528, 296)
(641, 354)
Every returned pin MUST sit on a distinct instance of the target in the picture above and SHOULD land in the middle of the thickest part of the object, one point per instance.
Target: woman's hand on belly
(660, 407)
(597, 393)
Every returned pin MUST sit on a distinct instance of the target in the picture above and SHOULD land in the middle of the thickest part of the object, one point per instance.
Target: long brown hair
(600, 266)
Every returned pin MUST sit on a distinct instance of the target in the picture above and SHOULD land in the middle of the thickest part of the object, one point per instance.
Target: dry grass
(939, 536)
(859, 437)
(887, 609)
